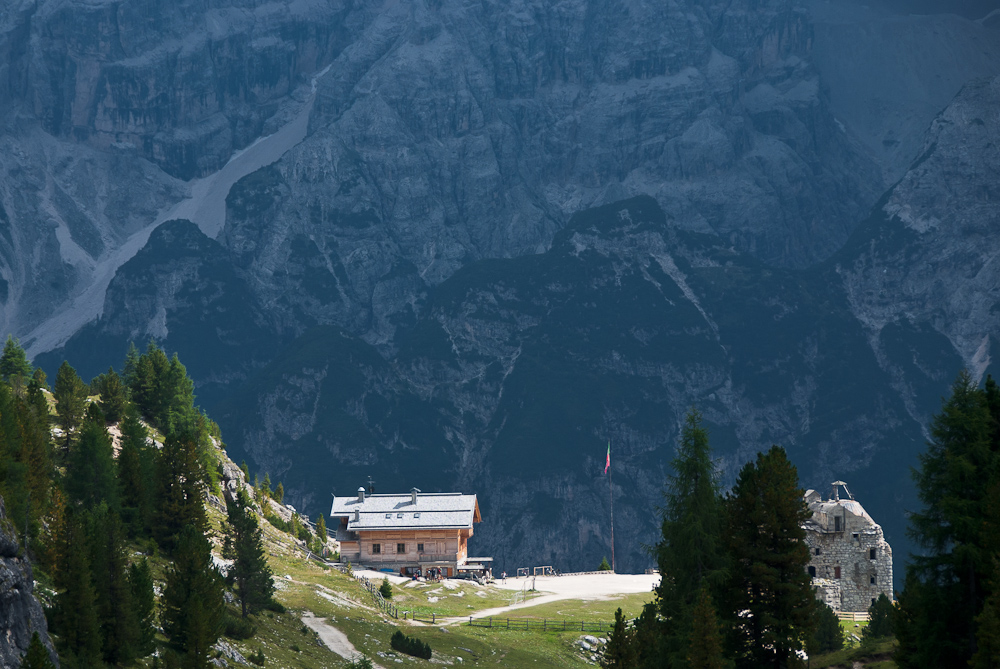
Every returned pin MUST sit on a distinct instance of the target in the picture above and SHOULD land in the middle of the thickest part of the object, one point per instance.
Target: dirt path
(332, 637)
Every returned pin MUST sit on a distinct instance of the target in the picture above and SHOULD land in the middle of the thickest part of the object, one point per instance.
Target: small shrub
(360, 662)
(386, 588)
(276, 606)
(604, 566)
(880, 616)
(410, 645)
(305, 630)
(239, 628)
(295, 647)
(257, 658)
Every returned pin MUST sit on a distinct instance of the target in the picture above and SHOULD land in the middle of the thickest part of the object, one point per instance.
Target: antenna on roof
(836, 491)
(371, 486)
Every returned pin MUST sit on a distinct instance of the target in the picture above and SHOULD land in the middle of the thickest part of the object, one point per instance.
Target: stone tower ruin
(849, 560)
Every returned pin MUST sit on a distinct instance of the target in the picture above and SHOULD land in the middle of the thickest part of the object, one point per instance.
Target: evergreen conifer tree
(648, 636)
(114, 395)
(881, 616)
(321, 532)
(140, 581)
(705, 646)
(69, 393)
(193, 606)
(37, 656)
(109, 568)
(250, 576)
(130, 366)
(619, 652)
(829, 635)
(136, 474)
(180, 490)
(690, 554)
(946, 586)
(769, 588)
(14, 363)
(279, 493)
(75, 616)
(90, 476)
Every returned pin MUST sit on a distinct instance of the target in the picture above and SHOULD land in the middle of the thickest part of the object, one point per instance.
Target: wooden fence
(384, 605)
(543, 625)
(853, 616)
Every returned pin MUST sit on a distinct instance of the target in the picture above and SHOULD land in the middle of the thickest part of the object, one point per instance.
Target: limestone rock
(21, 614)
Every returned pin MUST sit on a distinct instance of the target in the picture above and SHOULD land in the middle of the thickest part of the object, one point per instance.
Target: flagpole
(611, 495)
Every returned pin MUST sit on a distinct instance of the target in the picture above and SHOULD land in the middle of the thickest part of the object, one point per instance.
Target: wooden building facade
(410, 533)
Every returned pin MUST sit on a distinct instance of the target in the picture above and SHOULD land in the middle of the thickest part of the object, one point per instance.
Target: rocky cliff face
(21, 614)
(943, 212)
(406, 292)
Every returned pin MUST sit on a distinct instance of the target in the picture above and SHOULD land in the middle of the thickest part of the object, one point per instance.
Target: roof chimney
(413, 495)
(357, 515)
(361, 494)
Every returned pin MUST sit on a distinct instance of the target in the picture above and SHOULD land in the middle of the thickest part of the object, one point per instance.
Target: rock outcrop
(21, 614)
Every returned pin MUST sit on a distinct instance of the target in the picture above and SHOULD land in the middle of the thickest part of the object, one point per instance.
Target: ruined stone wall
(850, 560)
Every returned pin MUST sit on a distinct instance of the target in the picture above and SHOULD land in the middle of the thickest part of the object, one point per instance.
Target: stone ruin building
(849, 560)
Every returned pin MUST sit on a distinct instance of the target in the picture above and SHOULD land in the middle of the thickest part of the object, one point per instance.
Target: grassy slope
(342, 602)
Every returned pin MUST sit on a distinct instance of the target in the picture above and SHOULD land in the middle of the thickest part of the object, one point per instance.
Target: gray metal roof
(450, 510)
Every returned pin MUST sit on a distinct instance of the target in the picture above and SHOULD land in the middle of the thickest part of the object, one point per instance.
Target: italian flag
(607, 463)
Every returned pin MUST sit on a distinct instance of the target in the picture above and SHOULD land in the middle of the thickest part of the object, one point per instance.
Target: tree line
(81, 512)
(734, 591)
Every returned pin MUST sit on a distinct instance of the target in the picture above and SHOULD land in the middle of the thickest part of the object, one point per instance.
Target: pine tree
(690, 554)
(193, 606)
(140, 580)
(131, 365)
(705, 645)
(768, 588)
(947, 584)
(880, 619)
(114, 395)
(279, 493)
(648, 636)
(321, 532)
(180, 490)
(37, 656)
(69, 393)
(136, 472)
(14, 363)
(109, 568)
(619, 652)
(988, 633)
(90, 476)
(249, 575)
(829, 635)
(75, 617)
